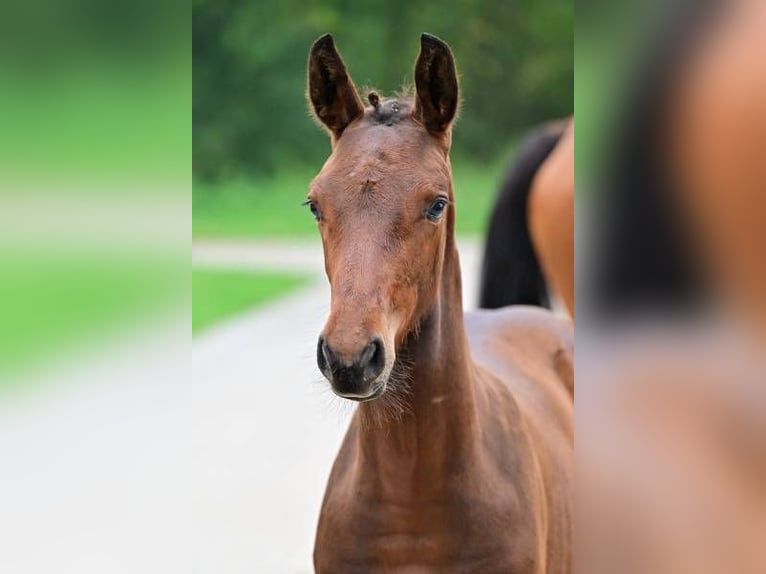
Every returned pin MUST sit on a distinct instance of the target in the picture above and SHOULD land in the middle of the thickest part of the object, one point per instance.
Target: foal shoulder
(531, 340)
(521, 325)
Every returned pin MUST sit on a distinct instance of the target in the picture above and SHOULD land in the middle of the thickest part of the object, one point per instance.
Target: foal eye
(313, 208)
(436, 209)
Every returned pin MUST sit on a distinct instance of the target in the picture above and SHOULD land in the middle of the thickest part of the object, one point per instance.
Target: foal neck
(438, 415)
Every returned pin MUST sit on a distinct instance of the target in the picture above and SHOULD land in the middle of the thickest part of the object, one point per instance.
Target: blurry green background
(95, 167)
(96, 91)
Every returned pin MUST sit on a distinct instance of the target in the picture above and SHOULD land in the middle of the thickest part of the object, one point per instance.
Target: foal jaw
(377, 388)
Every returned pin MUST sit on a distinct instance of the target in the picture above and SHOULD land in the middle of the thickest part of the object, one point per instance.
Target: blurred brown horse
(530, 242)
(676, 367)
(459, 457)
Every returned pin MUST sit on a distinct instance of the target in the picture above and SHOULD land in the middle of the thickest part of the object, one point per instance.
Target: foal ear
(436, 85)
(332, 93)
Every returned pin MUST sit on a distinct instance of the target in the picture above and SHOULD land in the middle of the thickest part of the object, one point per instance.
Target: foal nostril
(373, 359)
(324, 355)
(368, 354)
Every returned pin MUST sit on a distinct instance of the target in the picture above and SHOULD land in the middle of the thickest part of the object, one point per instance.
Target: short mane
(389, 110)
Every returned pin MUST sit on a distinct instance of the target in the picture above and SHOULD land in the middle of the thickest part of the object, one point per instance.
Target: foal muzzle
(355, 376)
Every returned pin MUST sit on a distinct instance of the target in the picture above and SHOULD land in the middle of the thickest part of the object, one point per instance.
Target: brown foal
(459, 457)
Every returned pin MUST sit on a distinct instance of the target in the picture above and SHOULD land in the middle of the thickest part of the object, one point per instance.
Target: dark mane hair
(389, 110)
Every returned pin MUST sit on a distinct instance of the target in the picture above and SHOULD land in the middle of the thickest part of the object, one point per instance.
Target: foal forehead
(385, 148)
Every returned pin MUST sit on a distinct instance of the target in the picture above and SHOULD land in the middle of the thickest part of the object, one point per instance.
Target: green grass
(270, 206)
(53, 303)
(217, 294)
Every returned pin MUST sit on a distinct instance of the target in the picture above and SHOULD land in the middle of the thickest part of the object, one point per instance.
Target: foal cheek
(401, 312)
(417, 287)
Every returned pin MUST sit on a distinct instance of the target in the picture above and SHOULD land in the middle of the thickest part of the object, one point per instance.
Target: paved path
(266, 426)
(96, 459)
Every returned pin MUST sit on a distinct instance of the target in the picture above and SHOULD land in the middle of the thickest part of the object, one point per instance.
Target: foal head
(382, 204)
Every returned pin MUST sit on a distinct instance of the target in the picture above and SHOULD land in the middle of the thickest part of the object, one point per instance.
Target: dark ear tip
(431, 41)
(322, 43)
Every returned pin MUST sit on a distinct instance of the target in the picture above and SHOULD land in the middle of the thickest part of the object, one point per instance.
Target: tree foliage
(249, 57)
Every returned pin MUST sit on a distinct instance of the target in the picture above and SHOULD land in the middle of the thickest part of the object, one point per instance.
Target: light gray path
(305, 254)
(266, 426)
(96, 459)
